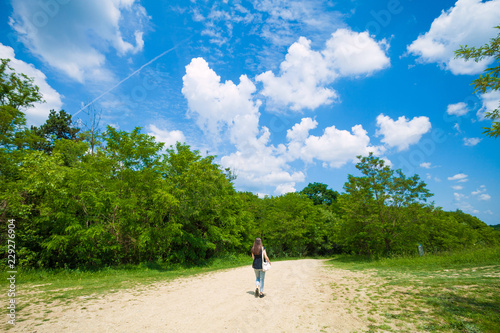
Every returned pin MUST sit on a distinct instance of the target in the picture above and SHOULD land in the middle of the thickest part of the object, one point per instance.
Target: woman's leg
(257, 278)
(262, 277)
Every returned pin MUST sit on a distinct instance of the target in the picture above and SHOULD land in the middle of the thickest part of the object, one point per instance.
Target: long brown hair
(257, 246)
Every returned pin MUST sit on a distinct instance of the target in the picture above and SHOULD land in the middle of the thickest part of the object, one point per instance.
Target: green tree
(489, 81)
(320, 194)
(209, 214)
(379, 207)
(17, 92)
(58, 126)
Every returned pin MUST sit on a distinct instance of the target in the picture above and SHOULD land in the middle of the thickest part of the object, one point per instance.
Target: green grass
(62, 284)
(449, 292)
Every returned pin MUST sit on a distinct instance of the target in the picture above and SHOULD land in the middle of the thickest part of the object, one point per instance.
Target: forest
(82, 196)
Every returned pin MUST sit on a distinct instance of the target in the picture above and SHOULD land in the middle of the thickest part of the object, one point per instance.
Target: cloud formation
(170, 138)
(403, 132)
(490, 101)
(481, 194)
(305, 74)
(468, 22)
(227, 107)
(335, 147)
(460, 177)
(221, 106)
(73, 36)
(471, 141)
(39, 113)
(458, 109)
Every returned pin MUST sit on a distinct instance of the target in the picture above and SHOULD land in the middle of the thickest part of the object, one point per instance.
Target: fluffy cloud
(469, 22)
(335, 147)
(73, 36)
(219, 106)
(490, 101)
(458, 109)
(263, 166)
(460, 177)
(481, 193)
(471, 141)
(353, 53)
(262, 163)
(40, 111)
(170, 138)
(425, 165)
(305, 73)
(484, 197)
(403, 132)
(226, 106)
(457, 187)
(300, 132)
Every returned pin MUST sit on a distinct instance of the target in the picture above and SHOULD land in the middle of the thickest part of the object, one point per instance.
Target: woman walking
(258, 252)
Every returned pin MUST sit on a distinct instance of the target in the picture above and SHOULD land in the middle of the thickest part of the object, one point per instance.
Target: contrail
(132, 74)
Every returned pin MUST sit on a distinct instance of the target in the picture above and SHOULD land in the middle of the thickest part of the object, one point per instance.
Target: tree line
(81, 197)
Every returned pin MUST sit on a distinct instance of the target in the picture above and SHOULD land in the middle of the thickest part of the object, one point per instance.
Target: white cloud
(490, 101)
(305, 73)
(283, 18)
(457, 187)
(458, 109)
(263, 165)
(353, 53)
(39, 113)
(471, 141)
(458, 177)
(74, 36)
(299, 132)
(335, 147)
(425, 165)
(231, 108)
(469, 22)
(481, 193)
(219, 106)
(170, 138)
(484, 197)
(459, 196)
(403, 132)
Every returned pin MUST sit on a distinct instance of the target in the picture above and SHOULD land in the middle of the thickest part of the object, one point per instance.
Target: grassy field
(51, 285)
(451, 292)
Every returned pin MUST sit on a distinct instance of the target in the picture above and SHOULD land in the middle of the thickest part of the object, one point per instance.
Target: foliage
(320, 194)
(489, 81)
(381, 209)
(58, 126)
(97, 199)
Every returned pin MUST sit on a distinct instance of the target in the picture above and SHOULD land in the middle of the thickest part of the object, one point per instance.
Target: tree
(380, 207)
(17, 92)
(489, 81)
(320, 194)
(92, 130)
(58, 126)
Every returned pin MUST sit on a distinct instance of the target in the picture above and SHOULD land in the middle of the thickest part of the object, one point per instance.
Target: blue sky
(283, 92)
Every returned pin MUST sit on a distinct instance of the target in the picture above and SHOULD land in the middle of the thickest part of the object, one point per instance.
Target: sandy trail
(298, 299)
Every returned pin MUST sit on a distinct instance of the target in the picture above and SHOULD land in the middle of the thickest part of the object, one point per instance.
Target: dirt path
(298, 299)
